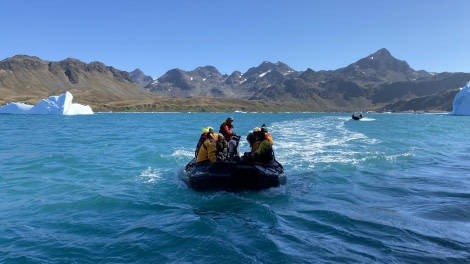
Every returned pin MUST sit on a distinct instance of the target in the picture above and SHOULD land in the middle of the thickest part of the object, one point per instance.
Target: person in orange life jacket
(268, 136)
(202, 138)
(226, 129)
(208, 150)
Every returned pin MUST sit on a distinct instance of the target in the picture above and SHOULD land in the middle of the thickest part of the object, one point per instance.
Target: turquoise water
(106, 188)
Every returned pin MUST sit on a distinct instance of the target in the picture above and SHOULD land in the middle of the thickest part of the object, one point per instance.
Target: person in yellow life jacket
(268, 136)
(264, 152)
(202, 138)
(208, 150)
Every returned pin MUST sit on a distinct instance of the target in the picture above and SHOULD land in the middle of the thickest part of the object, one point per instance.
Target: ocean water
(107, 188)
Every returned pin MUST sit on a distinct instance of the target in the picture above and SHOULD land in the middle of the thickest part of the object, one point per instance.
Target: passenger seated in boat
(257, 140)
(264, 153)
(222, 149)
(268, 136)
(208, 150)
(226, 128)
(252, 141)
(202, 138)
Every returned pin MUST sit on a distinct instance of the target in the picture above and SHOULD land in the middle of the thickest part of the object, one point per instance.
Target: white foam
(306, 143)
(366, 119)
(151, 175)
(183, 153)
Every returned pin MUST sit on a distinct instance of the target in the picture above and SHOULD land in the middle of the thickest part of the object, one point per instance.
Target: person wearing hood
(208, 150)
(205, 133)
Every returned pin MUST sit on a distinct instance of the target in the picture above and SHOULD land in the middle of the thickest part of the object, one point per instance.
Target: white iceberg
(55, 105)
(461, 104)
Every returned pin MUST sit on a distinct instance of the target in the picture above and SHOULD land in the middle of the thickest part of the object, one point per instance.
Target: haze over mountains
(378, 81)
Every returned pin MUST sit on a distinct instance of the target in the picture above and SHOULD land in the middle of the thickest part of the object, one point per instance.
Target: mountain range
(376, 82)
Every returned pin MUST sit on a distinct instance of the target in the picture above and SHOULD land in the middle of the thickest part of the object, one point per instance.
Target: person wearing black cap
(264, 129)
(226, 129)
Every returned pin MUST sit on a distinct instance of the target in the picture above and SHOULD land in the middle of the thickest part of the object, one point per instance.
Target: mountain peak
(205, 72)
(381, 58)
(140, 78)
(267, 66)
(382, 53)
(379, 64)
(22, 61)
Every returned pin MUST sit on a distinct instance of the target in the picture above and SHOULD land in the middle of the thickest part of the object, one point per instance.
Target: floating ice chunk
(461, 104)
(55, 105)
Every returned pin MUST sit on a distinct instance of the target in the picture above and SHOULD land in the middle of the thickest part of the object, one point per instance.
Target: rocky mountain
(208, 81)
(370, 83)
(441, 102)
(29, 79)
(380, 67)
(375, 82)
(140, 78)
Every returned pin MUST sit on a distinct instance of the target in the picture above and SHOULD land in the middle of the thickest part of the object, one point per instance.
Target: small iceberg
(55, 105)
(461, 104)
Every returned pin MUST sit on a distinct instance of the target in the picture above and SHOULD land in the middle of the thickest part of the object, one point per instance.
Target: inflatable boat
(233, 176)
(355, 117)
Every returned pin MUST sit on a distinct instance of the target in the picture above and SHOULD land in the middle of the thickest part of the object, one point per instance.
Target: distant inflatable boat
(356, 117)
(233, 176)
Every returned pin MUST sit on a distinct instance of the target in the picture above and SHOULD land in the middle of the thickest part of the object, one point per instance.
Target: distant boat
(356, 117)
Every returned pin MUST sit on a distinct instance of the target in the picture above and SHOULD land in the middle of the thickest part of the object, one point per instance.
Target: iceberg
(55, 105)
(461, 104)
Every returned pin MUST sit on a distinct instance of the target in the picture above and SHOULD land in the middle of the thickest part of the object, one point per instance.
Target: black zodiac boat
(355, 117)
(233, 176)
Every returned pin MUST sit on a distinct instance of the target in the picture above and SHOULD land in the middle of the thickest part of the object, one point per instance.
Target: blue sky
(156, 36)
